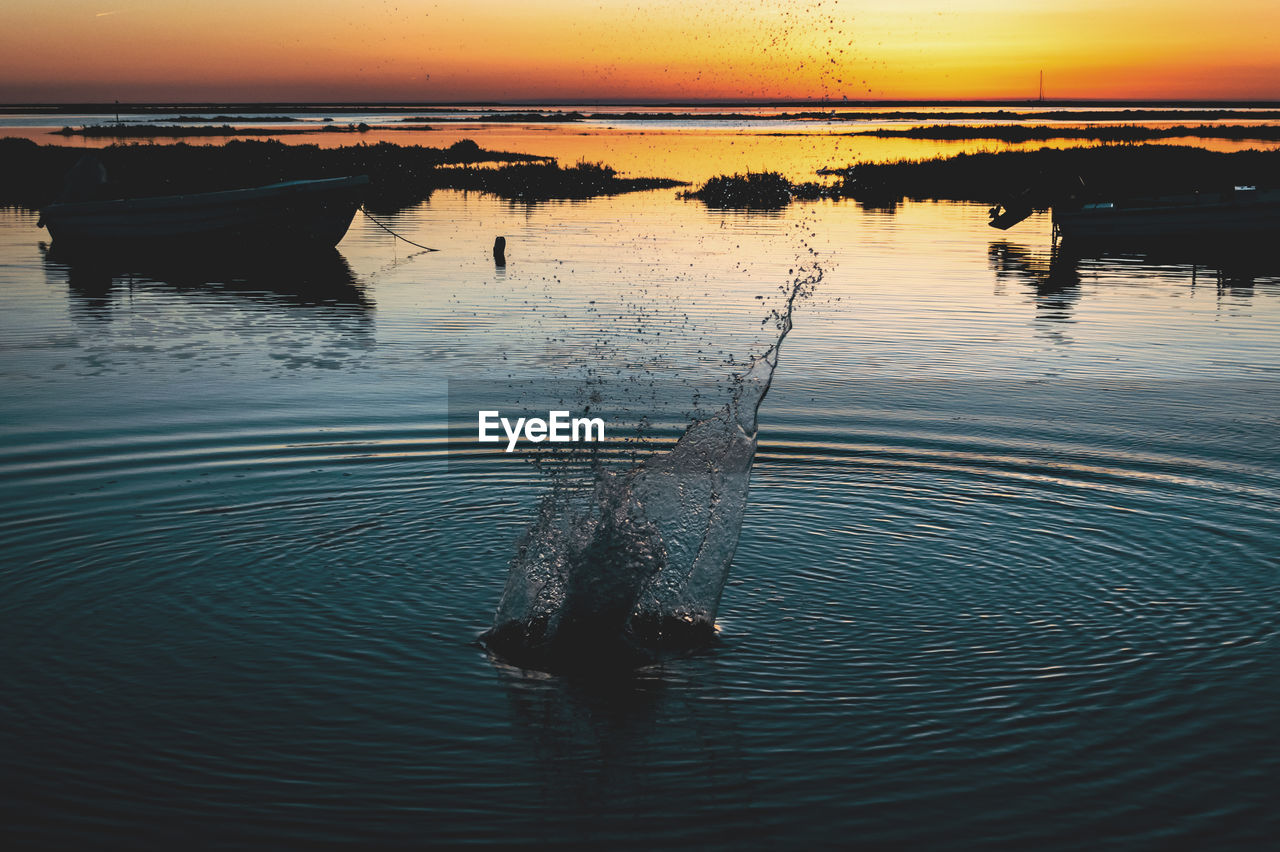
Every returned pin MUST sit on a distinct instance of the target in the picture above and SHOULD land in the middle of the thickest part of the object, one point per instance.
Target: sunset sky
(419, 50)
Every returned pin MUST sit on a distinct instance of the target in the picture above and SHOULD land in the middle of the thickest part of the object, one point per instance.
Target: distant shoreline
(177, 131)
(1009, 133)
(109, 107)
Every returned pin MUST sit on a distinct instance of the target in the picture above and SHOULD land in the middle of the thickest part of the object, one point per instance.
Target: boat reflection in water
(1055, 277)
(321, 278)
(1232, 265)
(306, 311)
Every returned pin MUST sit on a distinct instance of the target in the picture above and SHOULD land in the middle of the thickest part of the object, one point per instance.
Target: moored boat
(1243, 211)
(299, 213)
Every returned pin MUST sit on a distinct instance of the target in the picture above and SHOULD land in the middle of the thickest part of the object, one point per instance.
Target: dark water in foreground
(1007, 576)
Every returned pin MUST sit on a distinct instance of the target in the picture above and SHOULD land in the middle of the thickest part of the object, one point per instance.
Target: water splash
(631, 569)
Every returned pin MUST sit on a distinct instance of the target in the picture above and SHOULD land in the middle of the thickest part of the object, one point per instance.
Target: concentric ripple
(1006, 579)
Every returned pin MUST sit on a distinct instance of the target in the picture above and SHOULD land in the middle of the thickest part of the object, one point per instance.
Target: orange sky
(351, 50)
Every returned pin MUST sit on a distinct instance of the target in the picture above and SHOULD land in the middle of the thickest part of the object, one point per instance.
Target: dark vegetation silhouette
(1121, 133)
(1106, 172)
(31, 175)
(1045, 176)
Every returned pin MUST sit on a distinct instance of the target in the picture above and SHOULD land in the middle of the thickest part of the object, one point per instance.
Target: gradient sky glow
(419, 50)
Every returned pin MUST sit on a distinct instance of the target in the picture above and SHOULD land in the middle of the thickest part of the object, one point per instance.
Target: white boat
(298, 213)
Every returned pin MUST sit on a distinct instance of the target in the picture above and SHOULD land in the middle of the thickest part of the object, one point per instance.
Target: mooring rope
(365, 211)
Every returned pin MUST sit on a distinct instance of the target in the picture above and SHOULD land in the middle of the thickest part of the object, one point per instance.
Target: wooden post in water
(500, 252)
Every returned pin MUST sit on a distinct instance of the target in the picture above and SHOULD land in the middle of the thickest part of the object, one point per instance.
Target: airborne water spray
(632, 568)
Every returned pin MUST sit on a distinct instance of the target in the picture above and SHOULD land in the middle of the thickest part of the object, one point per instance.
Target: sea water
(1006, 570)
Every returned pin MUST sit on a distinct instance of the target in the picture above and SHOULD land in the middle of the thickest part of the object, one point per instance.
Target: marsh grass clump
(754, 190)
(466, 151)
(548, 180)
(759, 191)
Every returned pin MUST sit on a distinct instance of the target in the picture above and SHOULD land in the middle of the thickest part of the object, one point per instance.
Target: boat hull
(314, 213)
(1231, 215)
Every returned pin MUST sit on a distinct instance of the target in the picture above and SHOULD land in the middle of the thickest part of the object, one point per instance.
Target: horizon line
(666, 102)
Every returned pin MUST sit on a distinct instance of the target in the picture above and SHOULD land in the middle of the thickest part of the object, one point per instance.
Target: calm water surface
(1008, 576)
